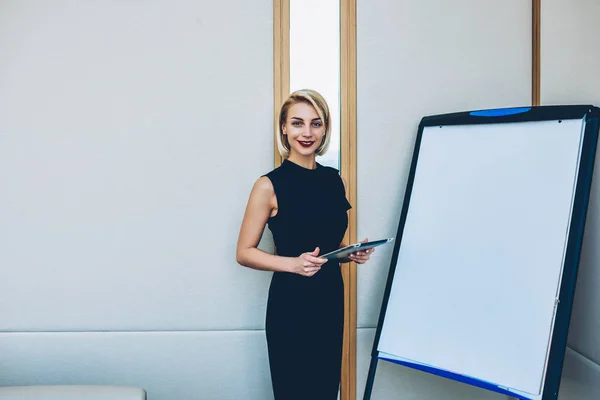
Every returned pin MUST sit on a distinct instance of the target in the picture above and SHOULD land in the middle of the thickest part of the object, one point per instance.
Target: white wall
(570, 74)
(417, 58)
(123, 127)
(130, 136)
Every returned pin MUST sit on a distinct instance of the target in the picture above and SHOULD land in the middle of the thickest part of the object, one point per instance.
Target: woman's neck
(308, 162)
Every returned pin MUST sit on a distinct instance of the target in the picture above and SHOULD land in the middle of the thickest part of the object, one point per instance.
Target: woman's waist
(289, 289)
(329, 273)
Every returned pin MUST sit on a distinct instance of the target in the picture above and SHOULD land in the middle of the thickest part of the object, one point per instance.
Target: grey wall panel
(584, 332)
(580, 379)
(131, 135)
(169, 365)
(569, 58)
(417, 58)
(569, 74)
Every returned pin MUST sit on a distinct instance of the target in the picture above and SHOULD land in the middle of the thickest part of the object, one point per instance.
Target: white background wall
(130, 136)
(424, 57)
(123, 126)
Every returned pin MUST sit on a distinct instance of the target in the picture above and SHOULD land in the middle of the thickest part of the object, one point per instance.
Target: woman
(305, 206)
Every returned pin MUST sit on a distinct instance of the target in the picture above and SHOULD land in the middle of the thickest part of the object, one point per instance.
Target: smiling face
(304, 130)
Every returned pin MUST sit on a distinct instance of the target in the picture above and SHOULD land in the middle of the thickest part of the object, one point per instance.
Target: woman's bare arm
(261, 204)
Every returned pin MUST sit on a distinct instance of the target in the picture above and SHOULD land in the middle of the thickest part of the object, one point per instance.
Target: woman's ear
(283, 129)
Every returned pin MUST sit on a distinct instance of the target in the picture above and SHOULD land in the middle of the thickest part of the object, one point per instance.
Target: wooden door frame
(536, 51)
(348, 170)
(281, 65)
(281, 88)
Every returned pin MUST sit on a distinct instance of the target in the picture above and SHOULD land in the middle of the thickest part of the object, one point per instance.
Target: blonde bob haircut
(310, 97)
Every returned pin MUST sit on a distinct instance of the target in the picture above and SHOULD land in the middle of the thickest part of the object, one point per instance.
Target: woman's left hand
(361, 256)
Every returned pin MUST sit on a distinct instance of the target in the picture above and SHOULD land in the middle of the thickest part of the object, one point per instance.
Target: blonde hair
(314, 99)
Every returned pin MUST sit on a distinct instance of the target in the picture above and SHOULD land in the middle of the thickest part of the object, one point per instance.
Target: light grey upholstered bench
(72, 392)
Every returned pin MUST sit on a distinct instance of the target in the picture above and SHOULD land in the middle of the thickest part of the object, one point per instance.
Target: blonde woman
(305, 206)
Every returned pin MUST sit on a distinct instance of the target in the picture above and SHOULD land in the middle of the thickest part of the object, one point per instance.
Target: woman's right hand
(308, 264)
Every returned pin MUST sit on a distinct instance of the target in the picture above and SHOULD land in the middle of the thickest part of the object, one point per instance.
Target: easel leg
(370, 378)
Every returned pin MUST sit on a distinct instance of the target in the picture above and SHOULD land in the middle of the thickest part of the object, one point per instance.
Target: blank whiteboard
(492, 223)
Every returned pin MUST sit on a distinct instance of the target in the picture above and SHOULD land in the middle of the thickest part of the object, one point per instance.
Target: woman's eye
(296, 123)
(317, 124)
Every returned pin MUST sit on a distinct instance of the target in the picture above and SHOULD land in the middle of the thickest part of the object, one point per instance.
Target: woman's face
(304, 129)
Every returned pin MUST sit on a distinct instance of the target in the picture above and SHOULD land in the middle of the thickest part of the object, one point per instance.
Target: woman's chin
(305, 151)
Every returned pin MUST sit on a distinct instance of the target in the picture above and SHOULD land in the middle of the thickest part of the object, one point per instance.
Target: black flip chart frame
(591, 116)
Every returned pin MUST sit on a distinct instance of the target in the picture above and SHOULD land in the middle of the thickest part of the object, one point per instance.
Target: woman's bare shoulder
(264, 185)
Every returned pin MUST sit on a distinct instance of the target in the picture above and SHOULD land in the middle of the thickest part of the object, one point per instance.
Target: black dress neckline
(298, 167)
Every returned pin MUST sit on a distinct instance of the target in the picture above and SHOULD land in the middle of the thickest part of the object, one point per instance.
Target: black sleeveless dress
(305, 315)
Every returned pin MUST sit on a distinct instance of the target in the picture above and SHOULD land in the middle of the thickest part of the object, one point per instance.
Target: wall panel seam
(7, 332)
(583, 356)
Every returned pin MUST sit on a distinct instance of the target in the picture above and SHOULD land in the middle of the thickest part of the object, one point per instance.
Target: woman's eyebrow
(314, 119)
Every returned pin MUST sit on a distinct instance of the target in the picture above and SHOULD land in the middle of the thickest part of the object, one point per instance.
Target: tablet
(346, 251)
